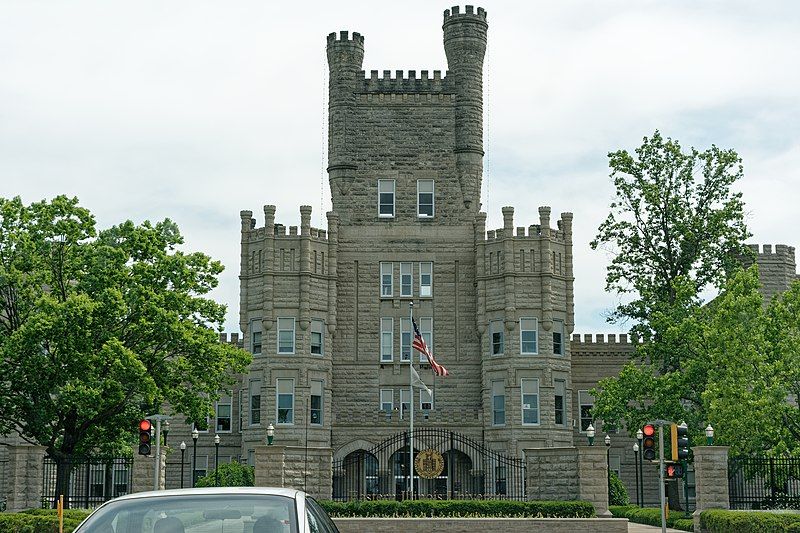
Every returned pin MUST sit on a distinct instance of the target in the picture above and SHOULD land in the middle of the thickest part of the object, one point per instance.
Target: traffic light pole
(661, 476)
(157, 468)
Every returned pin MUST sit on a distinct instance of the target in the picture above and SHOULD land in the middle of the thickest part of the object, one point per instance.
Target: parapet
(766, 251)
(280, 230)
(563, 231)
(344, 38)
(600, 338)
(454, 14)
(406, 82)
(602, 345)
(234, 339)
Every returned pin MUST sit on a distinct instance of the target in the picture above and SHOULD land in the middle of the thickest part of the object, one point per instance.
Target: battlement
(454, 14)
(233, 340)
(602, 338)
(344, 38)
(279, 230)
(766, 250)
(405, 83)
(562, 232)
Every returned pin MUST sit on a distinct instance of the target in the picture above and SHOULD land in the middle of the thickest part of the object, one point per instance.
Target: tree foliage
(230, 475)
(98, 329)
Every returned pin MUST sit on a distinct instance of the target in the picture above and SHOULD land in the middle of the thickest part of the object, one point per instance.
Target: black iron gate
(764, 482)
(91, 481)
(470, 470)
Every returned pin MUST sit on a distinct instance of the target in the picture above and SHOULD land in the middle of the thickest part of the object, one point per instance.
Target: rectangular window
(286, 335)
(425, 280)
(558, 337)
(405, 339)
(586, 402)
(224, 411)
(425, 400)
(530, 401)
(387, 340)
(317, 336)
(284, 390)
(386, 198)
(251, 457)
(424, 198)
(498, 403)
(255, 402)
(529, 335)
(255, 336)
(200, 467)
(560, 407)
(387, 400)
(241, 409)
(497, 337)
(387, 277)
(202, 427)
(615, 464)
(406, 276)
(426, 329)
(316, 402)
(405, 403)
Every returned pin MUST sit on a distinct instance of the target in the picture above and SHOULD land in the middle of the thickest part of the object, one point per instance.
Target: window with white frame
(406, 277)
(560, 402)
(426, 329)
(317, 336)
(496, 337)
(241, 409)
(200, 467)
(255, 336)
(387, 340)
(405, 339)
(386, 198)
(558, 337)
(405, 402)
(425, 400)
(530, 401)
(387, 400)
(284, 391)
(255, 402)
(529, 335)
(498, 403)
(224, 411)
(286, 335)
(425, 280)
(615, 463)
(585, 403)
(251, 457)
(316, 402)
(424, 198)
(387, 279)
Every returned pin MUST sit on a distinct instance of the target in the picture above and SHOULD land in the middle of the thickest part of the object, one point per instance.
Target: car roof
(259, 491)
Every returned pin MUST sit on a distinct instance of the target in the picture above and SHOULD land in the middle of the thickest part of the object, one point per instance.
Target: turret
(345, 56)
(465, 46)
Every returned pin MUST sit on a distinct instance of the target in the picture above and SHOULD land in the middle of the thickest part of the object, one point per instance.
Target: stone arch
(352, 446)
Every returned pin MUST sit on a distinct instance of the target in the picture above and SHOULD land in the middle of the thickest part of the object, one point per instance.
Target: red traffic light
(145, 425)
(649, 430)
(675, 470)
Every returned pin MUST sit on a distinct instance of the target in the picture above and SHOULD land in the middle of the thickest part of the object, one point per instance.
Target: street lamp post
(183, 453)
(709, 435)
(270, 434)
(590, 434)
(166, 431)
(636, 469)
(195, 436)
(607, 440)
(639, 438)
(216, 460)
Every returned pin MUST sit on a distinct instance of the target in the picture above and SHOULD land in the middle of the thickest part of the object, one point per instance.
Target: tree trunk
(63, 471)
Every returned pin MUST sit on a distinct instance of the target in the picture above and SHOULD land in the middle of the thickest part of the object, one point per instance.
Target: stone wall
(484, 525)
(711, 478)
(306, 469)
(24, 469)
(144, 471)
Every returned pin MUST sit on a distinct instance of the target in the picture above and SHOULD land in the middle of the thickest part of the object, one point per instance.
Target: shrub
(459, 508)
(618, 494)
(230, 475)
(651, 516)
(718, 521)
(34, 523)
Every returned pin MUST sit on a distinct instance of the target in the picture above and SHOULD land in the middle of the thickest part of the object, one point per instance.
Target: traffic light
(145, 437)
(649, 442)
(679, 436)
(674, 470)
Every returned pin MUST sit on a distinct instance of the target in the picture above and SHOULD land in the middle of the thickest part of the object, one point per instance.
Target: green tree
(99, 328)
(675, 229)
(230, 475)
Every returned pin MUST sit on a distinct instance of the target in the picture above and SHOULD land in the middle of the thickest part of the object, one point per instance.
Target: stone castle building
(326, 313)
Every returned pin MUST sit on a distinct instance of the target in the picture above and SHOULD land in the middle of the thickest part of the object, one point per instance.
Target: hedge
(35, 523)
(459, 508)
(651, 516)
(719, 521)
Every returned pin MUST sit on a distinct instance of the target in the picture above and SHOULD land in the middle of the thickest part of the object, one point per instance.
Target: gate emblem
(429, 463)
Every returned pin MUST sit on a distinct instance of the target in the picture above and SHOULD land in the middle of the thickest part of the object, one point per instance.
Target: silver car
(211, 510)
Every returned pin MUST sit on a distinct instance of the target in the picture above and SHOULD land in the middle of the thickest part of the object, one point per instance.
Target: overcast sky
(195, 110)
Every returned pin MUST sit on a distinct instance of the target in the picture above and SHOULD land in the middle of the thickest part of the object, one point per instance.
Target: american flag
(421, 347)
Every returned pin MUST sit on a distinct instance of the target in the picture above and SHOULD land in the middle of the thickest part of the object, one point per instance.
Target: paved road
(641, 528)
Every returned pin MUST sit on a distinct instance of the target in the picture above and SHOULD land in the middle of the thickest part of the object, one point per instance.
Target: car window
(321, 519)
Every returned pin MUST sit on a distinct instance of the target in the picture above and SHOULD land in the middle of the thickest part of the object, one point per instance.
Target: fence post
(772, 495)
(711, 480)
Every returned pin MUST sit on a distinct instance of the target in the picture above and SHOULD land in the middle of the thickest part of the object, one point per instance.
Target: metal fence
(469, 470)
(764, 482)
(90, 482)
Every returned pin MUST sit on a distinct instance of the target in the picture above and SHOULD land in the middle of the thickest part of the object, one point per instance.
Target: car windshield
(196, 513)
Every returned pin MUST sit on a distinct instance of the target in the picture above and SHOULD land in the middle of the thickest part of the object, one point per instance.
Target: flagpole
(411, 403)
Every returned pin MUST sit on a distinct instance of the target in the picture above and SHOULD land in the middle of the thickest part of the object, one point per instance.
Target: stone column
(593, 478)
(711, 480)
(295, 467)
(25, 476)
(144, 470)
(270, 466)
